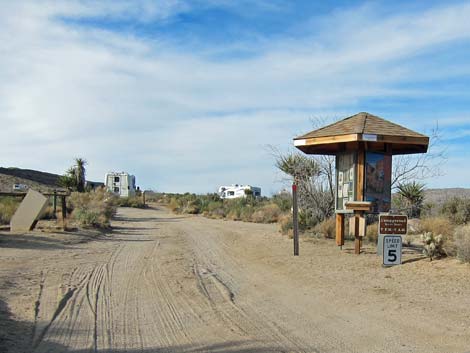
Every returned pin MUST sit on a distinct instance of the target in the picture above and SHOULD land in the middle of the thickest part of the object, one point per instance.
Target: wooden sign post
(295, 219)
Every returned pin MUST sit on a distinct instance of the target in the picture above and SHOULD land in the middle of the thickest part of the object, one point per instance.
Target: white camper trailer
(235, 191)
(121, 184)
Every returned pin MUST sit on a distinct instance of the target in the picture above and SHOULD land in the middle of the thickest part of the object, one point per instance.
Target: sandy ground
(163, 283)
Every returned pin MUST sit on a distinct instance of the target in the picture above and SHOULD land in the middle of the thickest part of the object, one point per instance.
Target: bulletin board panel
(345, 180)
(378, 178)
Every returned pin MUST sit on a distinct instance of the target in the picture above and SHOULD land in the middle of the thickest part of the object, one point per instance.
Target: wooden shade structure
(362, 130)
(368, 142)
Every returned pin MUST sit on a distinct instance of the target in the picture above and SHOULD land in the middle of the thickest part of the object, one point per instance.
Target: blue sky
(187, 94)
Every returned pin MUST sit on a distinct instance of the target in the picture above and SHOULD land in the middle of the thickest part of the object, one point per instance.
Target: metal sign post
(295, 219)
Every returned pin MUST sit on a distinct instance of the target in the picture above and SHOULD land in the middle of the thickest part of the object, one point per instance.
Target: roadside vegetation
(248, 209)
(8, 206)
(92, 209)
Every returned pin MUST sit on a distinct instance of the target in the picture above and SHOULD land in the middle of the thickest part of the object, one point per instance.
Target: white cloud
(125, 102)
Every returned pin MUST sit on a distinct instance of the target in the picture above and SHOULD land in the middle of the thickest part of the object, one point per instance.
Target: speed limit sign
(392, 250)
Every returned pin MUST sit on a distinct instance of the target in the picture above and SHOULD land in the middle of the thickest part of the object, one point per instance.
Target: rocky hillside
(439, 196)
(32, 178)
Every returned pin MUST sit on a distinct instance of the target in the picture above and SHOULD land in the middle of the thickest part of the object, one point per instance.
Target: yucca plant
(413, 195)
(80, 173)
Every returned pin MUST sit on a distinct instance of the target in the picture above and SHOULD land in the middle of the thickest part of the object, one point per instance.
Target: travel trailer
(121, 184)
(235, 191)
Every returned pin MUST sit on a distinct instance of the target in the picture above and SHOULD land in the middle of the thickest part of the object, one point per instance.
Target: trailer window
(116, 189)
(116, 179)
(231, 193)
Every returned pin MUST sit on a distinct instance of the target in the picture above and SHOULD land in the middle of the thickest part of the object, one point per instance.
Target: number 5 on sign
(392, 250)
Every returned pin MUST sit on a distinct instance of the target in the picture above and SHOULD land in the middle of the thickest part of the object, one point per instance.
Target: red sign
(393, 224)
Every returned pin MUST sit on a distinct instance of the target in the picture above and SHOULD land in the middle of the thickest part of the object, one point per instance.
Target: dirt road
(163, 283)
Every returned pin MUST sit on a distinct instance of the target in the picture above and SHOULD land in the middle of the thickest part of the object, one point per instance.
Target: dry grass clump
(286, 224)
(48, 213)
(372, 232)
(439, 226)
(462, 243)
(173, 205)
(436, 225)
(266, 214)
(93, 209)
(8, 206)
(327, 228)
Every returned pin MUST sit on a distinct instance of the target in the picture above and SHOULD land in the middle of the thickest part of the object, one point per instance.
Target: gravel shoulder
(166, 283)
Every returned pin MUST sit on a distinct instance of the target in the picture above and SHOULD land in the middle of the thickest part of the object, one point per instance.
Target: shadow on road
(15, 336)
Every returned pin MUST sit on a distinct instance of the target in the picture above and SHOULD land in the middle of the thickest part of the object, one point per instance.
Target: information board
(378, 176)
(392, 245)
(345, 179)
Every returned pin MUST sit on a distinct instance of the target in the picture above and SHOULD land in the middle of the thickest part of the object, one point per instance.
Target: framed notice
(345, 179)
(378, 177)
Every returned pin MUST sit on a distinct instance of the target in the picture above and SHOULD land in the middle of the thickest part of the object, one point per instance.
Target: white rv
(121, 184)
(235, 191)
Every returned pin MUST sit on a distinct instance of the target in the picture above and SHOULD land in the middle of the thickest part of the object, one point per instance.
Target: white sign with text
(392, 250)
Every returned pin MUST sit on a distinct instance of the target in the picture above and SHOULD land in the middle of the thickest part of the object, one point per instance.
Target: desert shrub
(234, 215)
(284, 201)
(432, 245)
(462, 243)
(267, 214)
(372, 232)
(306, 221)
(135, 202)
(48, 213)
(192, 207)
(93, 209)
(246, 213)
(285, 223)
(8, 206)
(215, 209)
(439, 225)
(457, 209)
(327, 228)
(173, 205)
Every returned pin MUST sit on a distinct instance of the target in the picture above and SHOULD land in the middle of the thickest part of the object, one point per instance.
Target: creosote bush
(327, 228)
(462, 243)
(93, 209)
(457, 210)
(135, 202)
(266, 214)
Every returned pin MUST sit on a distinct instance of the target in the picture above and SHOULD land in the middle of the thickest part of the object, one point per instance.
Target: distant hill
(33, 178)
(439, 196)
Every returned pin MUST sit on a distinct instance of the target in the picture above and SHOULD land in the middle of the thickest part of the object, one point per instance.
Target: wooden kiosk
(363, 145)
